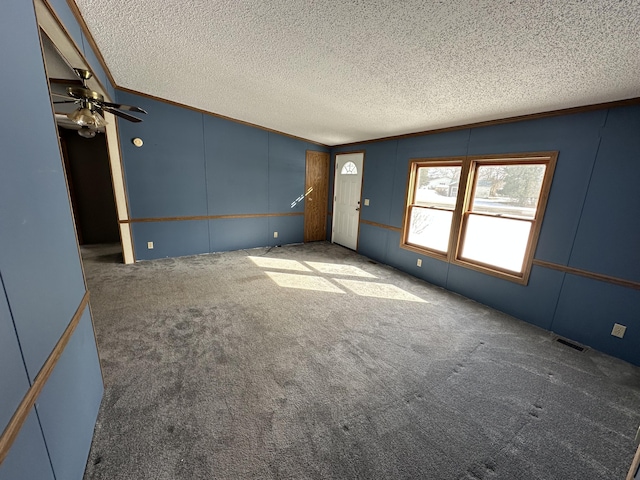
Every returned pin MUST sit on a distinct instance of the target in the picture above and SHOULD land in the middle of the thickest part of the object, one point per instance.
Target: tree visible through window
(433, 204)
(481, 212)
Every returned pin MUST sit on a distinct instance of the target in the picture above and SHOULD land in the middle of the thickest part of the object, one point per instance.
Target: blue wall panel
(549, 133)
(39, 258)
(170, 239)
(576, 137)
(286, 172)
(13, 376)
(237, 158)
(432, 270)
(27, 458)
(166, 176)
(609, 233)
(534, 303)
(445, 144)
(69, 402)
(587, 310)
(290, 230)
(372, 242)
(238, 233)
(378, 181)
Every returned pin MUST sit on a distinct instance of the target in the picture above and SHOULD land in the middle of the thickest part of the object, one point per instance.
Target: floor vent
(575, 346)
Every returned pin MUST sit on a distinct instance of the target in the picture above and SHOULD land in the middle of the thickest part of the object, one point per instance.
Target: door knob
(358, 208)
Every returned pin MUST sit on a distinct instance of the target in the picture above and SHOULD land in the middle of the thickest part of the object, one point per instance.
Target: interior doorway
(316, 196)
(86, 162)
(60, 56)
(346, 200)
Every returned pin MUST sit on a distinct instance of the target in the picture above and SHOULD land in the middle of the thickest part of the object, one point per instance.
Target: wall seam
(206, 181)
(15, 329)
(26, 370)
(555, 307)
(44, 440)
(586, 194)
(270, 238)
(393, 178)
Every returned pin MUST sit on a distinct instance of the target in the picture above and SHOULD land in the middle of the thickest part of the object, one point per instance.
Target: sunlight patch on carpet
(378, 290)
(304, 282)
(279, 263)
(339, 269)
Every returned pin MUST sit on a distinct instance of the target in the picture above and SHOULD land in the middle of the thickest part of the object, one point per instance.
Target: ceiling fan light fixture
(82, 116)
(99, 121)
(86, 132)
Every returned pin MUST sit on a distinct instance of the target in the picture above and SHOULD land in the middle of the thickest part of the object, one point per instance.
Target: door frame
(333, 191)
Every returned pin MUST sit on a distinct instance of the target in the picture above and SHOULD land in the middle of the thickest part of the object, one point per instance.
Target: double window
(482, 212)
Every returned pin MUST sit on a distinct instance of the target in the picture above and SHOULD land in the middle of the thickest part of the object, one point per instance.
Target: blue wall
(40, 270)
(590, 223)
(198, 165)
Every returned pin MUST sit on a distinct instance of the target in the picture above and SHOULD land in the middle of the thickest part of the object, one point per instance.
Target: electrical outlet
(419, 262)
(150, 245)
(618, 330)
(366, 202)
(275, 234)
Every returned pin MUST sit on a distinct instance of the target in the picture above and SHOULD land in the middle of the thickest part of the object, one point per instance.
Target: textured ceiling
(343, 71)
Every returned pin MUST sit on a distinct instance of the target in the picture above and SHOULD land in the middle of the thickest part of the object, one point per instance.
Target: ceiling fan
(91, 104)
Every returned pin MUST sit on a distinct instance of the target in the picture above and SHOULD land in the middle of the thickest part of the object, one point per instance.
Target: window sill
(521, 279)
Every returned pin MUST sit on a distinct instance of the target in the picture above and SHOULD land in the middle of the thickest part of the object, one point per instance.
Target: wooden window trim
(414, 165)
(462, 211)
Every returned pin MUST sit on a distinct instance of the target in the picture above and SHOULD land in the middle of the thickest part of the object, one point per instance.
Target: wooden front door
(316, 193)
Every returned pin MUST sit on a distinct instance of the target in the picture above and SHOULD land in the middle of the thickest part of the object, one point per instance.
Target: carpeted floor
(310, 361)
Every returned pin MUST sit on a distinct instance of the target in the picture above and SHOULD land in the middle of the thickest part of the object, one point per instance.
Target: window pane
(430, 228)
(437, 186)
(500, 242)
(349, 168)
(508, 189)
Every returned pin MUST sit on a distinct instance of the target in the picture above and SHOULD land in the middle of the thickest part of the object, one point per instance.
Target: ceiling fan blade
(60, 95)
(123, 107)
(126, 116)
(66, 101)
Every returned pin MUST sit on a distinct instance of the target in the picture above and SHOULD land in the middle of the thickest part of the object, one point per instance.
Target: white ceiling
(340, 71)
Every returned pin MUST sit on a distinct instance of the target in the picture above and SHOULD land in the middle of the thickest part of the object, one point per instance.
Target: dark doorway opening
(86, 162)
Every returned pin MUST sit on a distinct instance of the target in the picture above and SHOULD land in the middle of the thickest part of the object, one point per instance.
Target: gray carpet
(310, 361)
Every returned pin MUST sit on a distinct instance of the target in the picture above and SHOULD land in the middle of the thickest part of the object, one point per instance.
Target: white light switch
(366, 202)
(150, 245)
